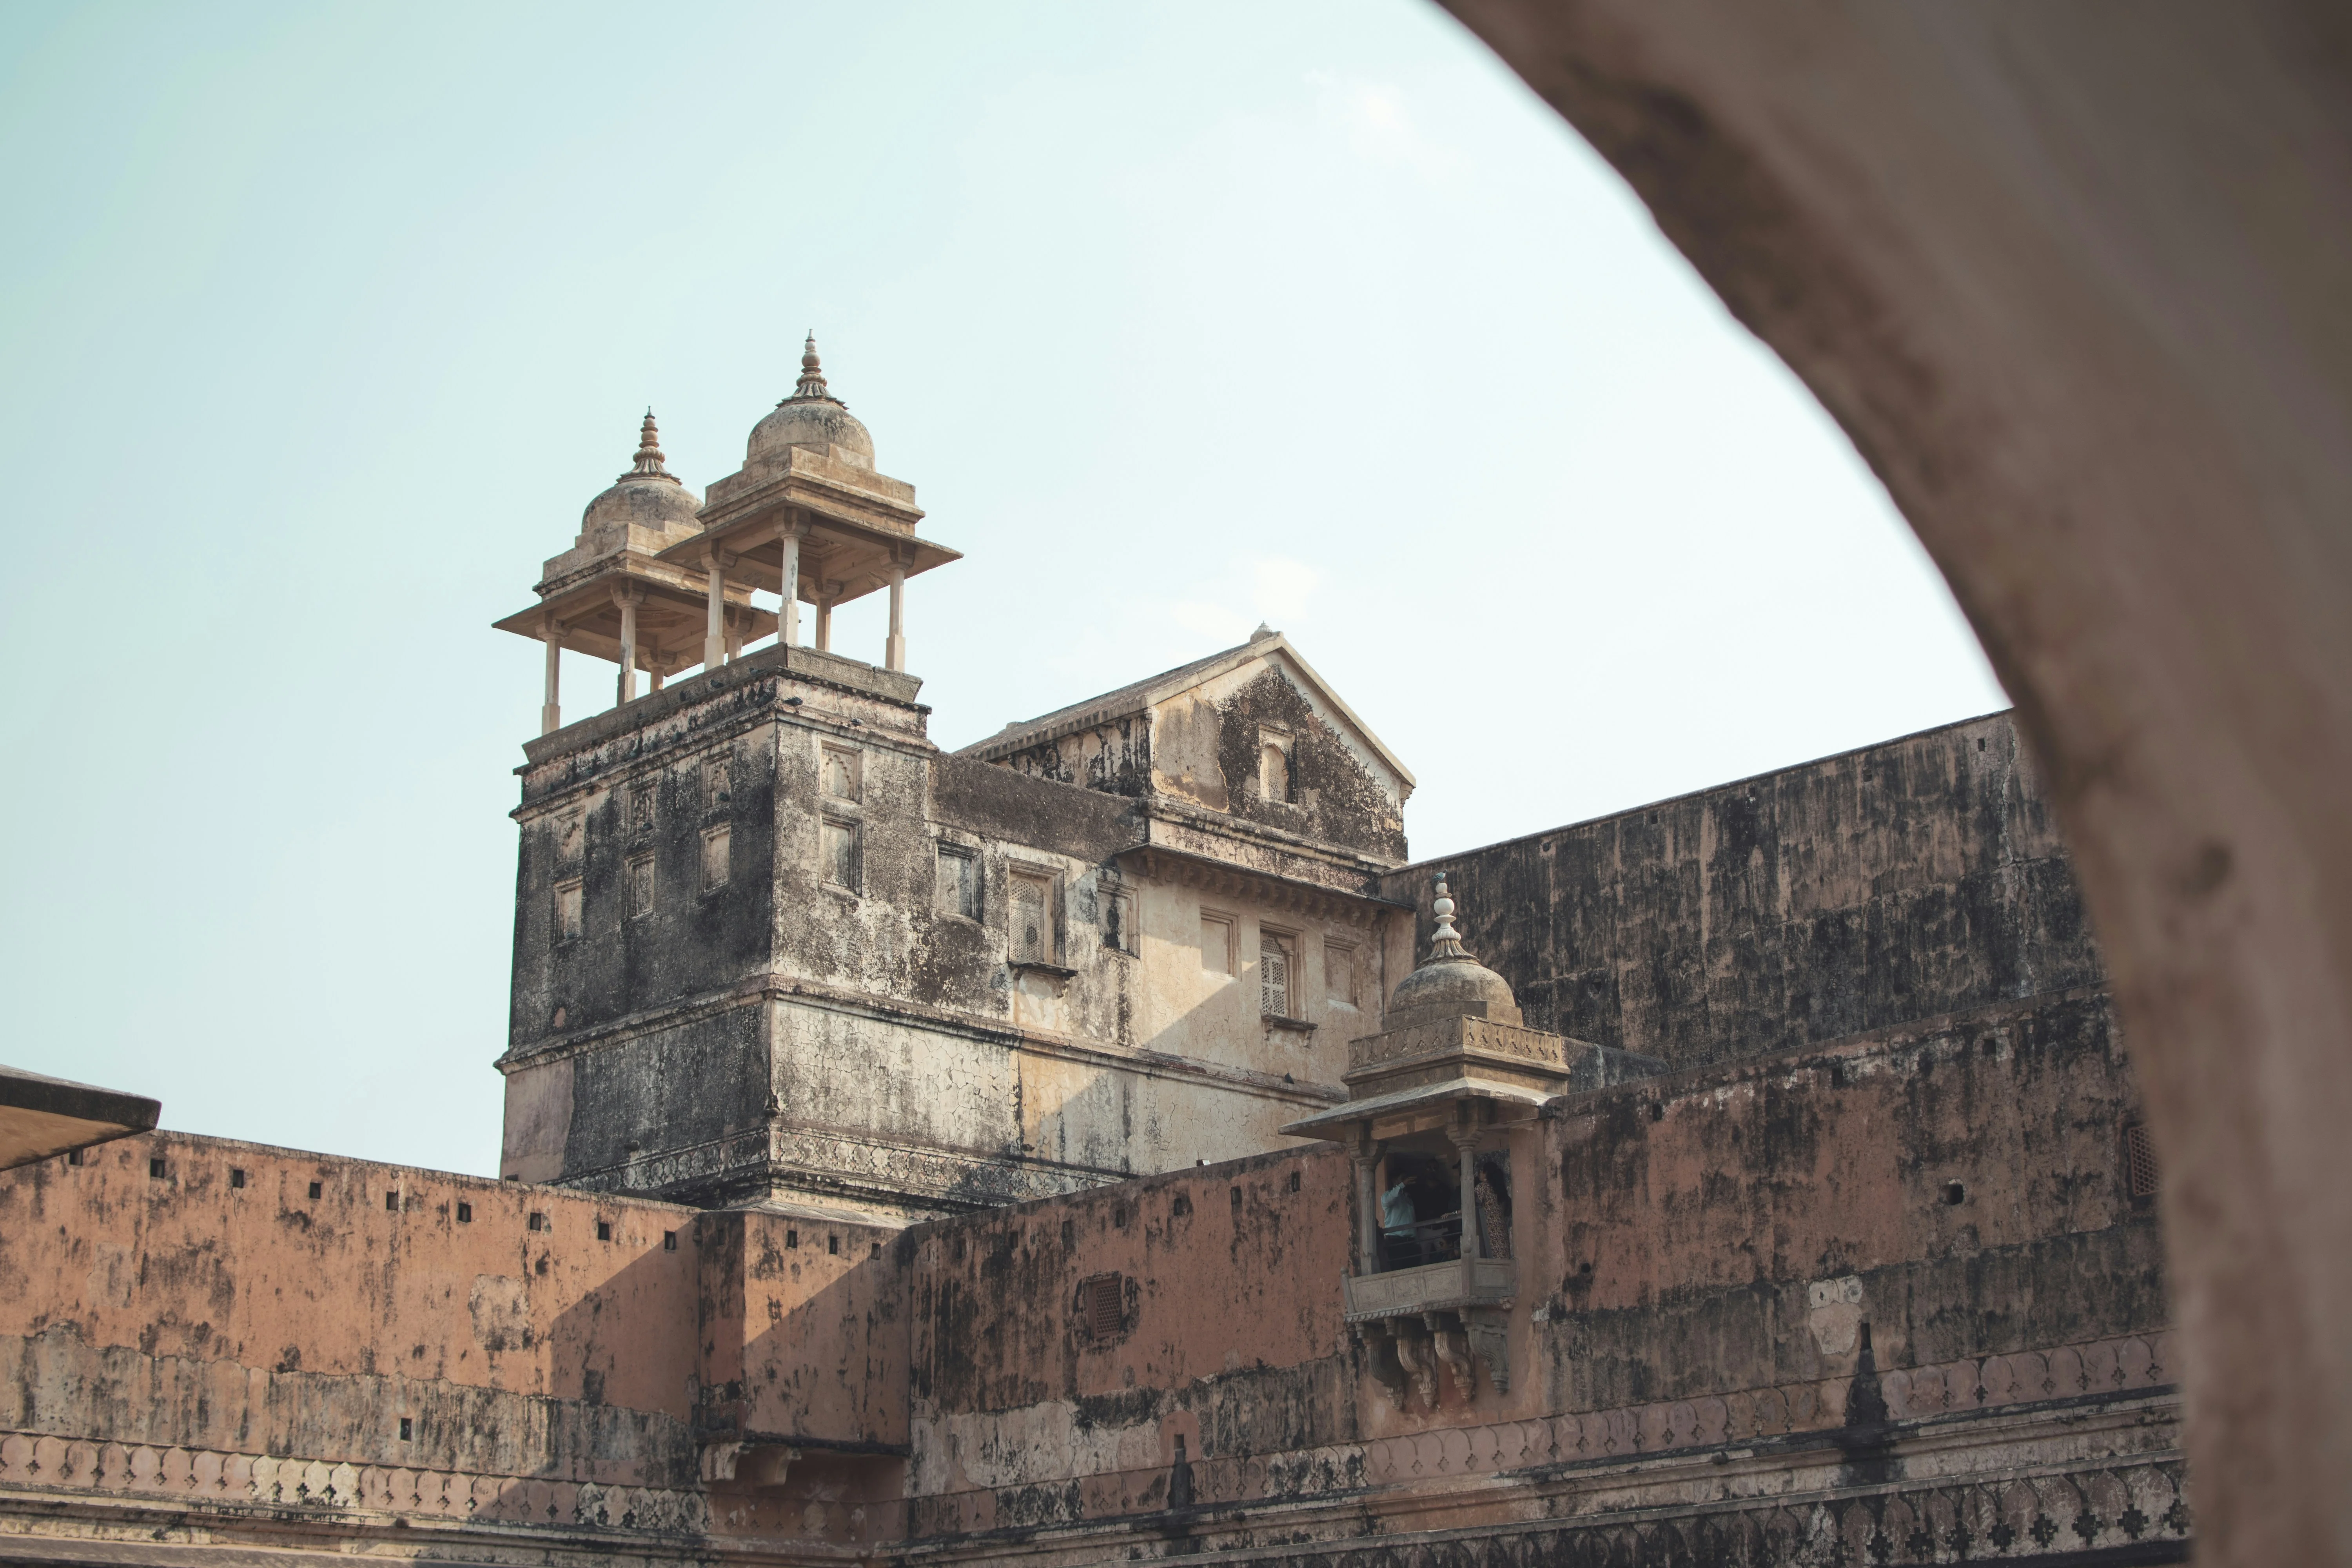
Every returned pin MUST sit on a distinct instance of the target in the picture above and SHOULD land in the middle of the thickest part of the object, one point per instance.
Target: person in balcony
(1399, 1244)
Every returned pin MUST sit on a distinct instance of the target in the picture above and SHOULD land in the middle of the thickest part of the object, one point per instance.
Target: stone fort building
(1106, 1143)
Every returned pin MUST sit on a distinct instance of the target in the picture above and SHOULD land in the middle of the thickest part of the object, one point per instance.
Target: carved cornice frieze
(1459, 1037)
(1290, 895)
(230, 1481)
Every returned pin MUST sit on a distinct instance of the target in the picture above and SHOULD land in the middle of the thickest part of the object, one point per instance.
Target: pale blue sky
(322, 323)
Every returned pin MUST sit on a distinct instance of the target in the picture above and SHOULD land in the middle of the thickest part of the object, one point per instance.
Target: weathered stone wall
(1959, 1187)
(184, 1311)
(1753, 1314)
(1744, 1290)
(1903, 882)
(1228, 1326)
(1201, 744)
(1334, 796)
(847, 1026)
(519, 1331)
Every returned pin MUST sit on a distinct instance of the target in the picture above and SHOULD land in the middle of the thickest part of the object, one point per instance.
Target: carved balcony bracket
(1489, 1343)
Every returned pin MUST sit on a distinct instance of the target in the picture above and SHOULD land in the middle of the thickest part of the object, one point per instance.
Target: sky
(321, 324)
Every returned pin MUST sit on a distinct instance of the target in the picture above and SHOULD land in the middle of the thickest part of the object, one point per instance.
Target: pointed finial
(1444, 941)
(1262, 632)
(649, 465)
(811, 383)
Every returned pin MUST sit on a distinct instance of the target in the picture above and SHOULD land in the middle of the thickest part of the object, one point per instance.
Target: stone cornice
(781, 987)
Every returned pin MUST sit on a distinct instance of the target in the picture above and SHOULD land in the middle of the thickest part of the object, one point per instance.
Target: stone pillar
(628, 599)
(788, 613)
(714, 630)
(1368, 1203)
(1464, 1134)
(551, 712)
(734, 636)
(653, 667)
(824, 624)
(894, 652)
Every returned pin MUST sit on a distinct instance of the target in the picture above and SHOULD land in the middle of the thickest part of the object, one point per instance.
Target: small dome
(648, 496)
(813, 419)
(1452, 988)
(1450, 984)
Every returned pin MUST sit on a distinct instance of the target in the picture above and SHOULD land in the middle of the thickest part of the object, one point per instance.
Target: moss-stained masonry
(1864, 1279)
(1920, 877)
(772, 946)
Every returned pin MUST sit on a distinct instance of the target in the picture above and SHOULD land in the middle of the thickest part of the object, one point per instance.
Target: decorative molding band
(1195, 868)
(209, 1477)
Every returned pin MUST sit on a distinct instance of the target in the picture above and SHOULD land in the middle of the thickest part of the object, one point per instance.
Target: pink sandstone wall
(1703, 1258)
(182, 1311)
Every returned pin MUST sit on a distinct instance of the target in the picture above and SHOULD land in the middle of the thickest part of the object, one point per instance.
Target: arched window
(1274, 771)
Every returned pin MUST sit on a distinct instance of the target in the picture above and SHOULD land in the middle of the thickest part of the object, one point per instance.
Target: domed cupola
(812, 419)
(1450, 984)
(648, 496)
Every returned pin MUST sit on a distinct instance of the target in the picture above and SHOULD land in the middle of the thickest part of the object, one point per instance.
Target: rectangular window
(718, 858)
(236, 1177)
(1118, 922)
(1340, 972)
(838, 844)
(571, 835)
(391, 1202)
(1031, 928)
(465, 1212)
(1102, 1304)
(842, 773)
(1274, 966)
(567, 910)
(2140, 1162)
(318, 1191)
(604, 1230)
(1217, 943)
(536, 1222)
(717, 776)
(669, 1241)
(959, 881)
(155, 1169)
(641, 885)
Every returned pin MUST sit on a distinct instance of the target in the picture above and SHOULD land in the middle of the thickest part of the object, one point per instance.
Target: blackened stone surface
(1905, 880)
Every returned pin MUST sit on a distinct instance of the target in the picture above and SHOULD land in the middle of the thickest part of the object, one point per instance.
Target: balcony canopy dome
(1450, 984)
(813, 419)
(647, 496)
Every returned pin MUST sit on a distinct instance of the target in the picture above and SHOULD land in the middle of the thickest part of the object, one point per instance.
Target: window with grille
(567, 910)
(1032, 933)
(642, 795)
(1102, 1304)
(1274, 963)
(2140, 1162)
(641, 885)
(840, 851)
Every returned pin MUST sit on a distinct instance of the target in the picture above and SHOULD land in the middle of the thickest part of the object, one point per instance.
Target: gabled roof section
(1145, 694)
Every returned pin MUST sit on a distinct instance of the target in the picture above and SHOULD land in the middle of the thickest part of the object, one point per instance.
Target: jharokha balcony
(1431, 1102)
